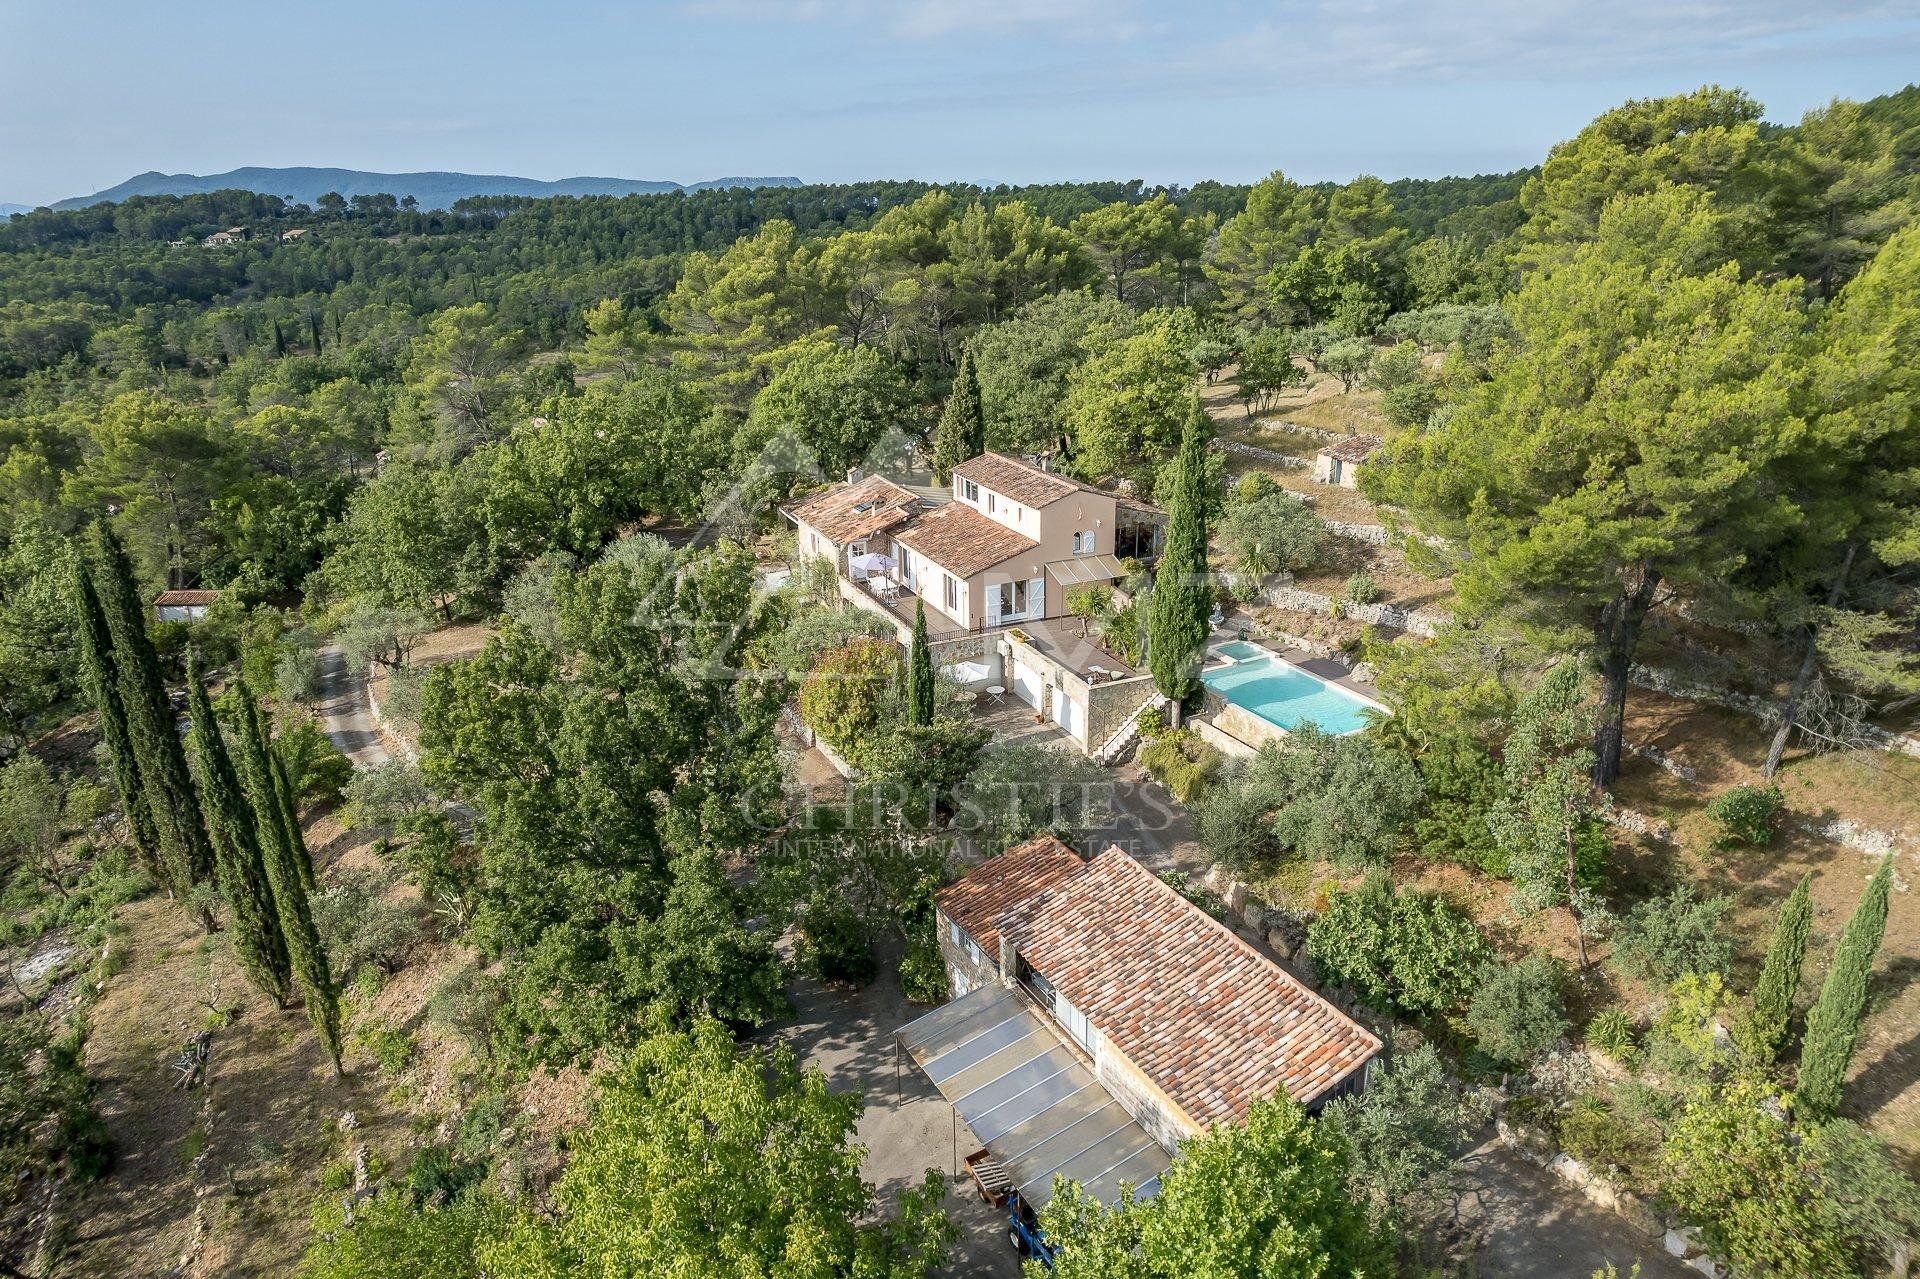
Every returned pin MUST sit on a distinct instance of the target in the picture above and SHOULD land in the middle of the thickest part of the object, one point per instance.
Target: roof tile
(962, 541)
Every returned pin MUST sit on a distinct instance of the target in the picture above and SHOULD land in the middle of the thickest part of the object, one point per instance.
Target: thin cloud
(930, 19)
(1396, 40)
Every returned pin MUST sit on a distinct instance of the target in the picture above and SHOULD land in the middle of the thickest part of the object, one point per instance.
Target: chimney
(853, 475)
(1009, 962)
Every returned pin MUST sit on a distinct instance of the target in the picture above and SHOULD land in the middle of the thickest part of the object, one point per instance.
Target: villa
(992, 558)
(1101, 1018)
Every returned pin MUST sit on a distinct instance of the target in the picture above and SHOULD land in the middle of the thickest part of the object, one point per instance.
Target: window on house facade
(989, 503)
(1083, 542)
(969, 490)
(1014, 597)
(952, 593)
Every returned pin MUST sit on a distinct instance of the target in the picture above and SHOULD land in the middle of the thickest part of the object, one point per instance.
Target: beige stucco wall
(1053, 527)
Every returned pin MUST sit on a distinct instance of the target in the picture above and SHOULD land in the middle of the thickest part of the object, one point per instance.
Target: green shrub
(1517, 1013)
(1611, 1032)
(1342, 799)
(1676, 933)
(1593, 1132)
(336, 1175)
(1411, 404)
(390, 1047)
(437, 1172)
(1685, 1042)
(1411, 952)
(923, 973)
(1362, 589)
(1745, 816)
(1181, 763)
(1152, 723)
(316, 769)
(1462, 783)
(834, 945)
(1235, 825)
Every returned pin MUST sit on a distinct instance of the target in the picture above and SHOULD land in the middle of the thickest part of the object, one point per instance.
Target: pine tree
(1182, 598)
(284, 852)
(920, 671)
(186, 856)
(1833, 1023)
(103, 685)
(962, 432)
(1780, 975)
(238, 863)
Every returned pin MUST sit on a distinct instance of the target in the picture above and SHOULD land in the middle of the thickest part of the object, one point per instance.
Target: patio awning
(1082, 569)
(1030, 1099)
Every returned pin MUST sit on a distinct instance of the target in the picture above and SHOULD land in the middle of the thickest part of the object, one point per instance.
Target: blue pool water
(1285, 696)
(1239, 650)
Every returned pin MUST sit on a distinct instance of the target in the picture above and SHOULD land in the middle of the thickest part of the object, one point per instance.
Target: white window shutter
(1037, 604)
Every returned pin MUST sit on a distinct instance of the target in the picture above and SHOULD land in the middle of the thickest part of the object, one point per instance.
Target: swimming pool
(1283, 695)
(1238, 650)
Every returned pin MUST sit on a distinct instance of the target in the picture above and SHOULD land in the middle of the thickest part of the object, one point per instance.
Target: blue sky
(93, 91)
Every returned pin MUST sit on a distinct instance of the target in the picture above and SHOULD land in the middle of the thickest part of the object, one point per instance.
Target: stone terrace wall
(1281, 594)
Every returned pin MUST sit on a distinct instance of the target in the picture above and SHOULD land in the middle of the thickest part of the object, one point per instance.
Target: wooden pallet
(990, 1177)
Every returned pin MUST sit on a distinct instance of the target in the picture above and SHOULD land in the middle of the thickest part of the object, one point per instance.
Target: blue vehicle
(1024, 1231)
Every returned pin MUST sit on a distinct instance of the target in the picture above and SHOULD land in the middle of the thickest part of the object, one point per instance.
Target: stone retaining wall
(1675, 1237)
(1763, 709)
(1282, 595)
(1265, 455)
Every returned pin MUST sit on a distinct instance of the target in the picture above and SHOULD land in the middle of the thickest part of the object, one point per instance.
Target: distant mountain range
(8, 210)
(432, 190)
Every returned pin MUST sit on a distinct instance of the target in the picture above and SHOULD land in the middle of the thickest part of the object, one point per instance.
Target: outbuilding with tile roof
(1183, 1021)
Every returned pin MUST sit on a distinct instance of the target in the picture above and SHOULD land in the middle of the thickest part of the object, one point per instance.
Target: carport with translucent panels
(1032, 1101)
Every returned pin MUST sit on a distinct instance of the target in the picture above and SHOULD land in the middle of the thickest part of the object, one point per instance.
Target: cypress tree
(238, 864)
(290, 813)
(1833, 1023)
(1182, 598)
(962, 432)
(103, 686)
(920, 671)
(284, 852)
(186, 856)
(284, 810)
(1780, 974)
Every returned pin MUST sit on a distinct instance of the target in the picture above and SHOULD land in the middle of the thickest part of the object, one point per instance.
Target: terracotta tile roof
(1212, 1022)
(1355, 448)
(1021, 481)
(962, 541)
(978, 899)
(184, 599)
(848, 512)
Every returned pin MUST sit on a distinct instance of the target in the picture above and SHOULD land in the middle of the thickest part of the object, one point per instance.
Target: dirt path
(345, 713)
(907, 1126)
(1537, 1229)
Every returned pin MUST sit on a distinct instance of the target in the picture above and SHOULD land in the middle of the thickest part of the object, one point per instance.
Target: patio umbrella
(872, 562)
